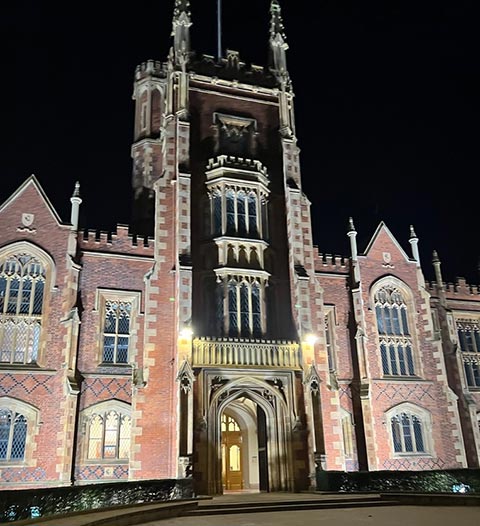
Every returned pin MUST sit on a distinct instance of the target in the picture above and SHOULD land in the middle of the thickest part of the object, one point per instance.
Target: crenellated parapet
(230, 161)
(151, 68)
(231, 68)
(332, 263)
(118, 242)
(460, 289)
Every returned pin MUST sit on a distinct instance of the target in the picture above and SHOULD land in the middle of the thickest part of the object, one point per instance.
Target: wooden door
(232, 476)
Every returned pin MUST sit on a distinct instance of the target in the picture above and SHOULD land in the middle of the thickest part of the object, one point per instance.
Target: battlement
(331, 263)
(151, 68)
(233, 69)
(458, 290)
(230, 161)
(120, 241)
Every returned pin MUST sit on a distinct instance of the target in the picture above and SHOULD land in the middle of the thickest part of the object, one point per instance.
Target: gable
(384, 247)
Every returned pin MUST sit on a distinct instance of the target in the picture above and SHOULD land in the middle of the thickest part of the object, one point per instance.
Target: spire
(414, 244)
(278, 40)
(76, 201)
(352, 234)
(438, 275)
(181, 31)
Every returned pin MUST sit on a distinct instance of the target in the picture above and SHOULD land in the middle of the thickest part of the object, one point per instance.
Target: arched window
(13, 436)
(407, 433)
(109, 434)
(396, 345)
(410, 429)
(22, 285)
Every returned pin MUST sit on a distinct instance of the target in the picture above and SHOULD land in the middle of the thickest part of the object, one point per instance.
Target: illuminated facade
(221, 345)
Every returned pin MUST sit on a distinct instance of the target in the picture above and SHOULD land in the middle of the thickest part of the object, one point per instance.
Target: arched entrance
(249, 434)
(244, 447)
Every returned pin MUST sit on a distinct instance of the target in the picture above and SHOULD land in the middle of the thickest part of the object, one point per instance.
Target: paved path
(382, 516)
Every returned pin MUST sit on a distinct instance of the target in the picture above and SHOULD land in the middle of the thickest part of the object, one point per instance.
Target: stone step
(265, 507)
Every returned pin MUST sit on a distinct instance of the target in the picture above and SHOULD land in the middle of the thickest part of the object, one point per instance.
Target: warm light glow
(186, 332)
(311, 339)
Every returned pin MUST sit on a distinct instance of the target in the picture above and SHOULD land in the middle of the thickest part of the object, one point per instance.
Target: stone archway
(278, 427)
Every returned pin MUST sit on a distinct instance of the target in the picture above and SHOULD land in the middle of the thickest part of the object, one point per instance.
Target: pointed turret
(181, 31)
(414, 244)
(352, 234)
(76, 201)
(278, 41)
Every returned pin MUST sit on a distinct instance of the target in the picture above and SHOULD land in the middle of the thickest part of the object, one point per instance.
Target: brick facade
(230, 310)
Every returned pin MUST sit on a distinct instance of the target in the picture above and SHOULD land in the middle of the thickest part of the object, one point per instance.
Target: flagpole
(219, 29)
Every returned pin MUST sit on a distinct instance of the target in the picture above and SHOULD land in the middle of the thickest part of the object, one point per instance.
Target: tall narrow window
(109, 436)
(116, 331)
(407, 433)
(256, 310)
(22, 284)
(231, 223)
(217, 214)
(329, 324)
(469, 339)
(252, 215)
(396, 347)
(347, 433)
(13, 436)
(242, 213)
(244, 309)
(233, 309)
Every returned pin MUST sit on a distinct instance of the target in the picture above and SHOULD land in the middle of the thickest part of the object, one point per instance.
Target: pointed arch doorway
(264, 436)
(244, 446)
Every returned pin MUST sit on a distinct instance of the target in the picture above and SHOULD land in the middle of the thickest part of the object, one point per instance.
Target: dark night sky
(387, 109)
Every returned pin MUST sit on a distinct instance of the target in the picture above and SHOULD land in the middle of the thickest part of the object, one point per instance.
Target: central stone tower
(216, 180)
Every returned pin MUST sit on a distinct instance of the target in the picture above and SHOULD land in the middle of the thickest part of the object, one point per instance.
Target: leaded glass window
(13, 436)
(239, 209)
(217, 213)
(407, 433)
(109, 436)
(22, 285)
(244, 309)
(116, 331)
(396, 346)
(469, 340)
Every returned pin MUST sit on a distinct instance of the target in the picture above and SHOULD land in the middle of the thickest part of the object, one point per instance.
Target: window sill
(22, 369)
(106, 462)
(412, 455)
(400, 378)
(13, 464)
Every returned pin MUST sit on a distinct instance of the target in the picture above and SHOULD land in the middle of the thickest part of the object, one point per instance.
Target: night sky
(387, 109)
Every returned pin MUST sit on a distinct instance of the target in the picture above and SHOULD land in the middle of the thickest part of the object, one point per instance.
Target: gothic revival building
(221, 344)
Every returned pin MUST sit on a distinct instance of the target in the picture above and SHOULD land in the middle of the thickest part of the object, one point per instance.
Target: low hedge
(438, 481)
(24, 504)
